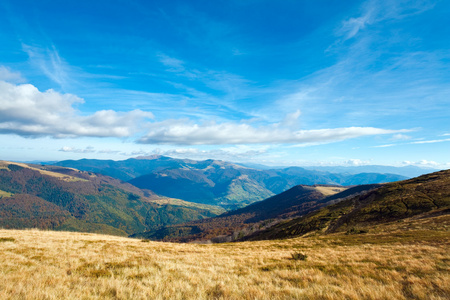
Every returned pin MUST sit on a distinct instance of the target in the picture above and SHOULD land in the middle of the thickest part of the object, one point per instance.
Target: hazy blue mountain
(407, 171)
(217, 182)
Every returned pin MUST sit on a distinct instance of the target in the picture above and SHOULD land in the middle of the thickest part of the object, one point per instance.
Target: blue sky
(271, 82)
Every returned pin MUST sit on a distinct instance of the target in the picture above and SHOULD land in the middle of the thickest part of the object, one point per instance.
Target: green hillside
(67, 199)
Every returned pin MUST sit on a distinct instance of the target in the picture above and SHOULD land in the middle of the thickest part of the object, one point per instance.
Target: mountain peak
(149, 157)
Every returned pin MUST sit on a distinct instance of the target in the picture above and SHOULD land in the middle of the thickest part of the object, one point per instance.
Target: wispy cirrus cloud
(374, 11)
(48, 60)
(431, 141)
(207, 87)
(414, 143)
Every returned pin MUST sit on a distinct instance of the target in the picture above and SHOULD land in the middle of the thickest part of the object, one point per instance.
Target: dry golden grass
(5, 194)
(178, 202)
(330, 190)
(4, 165)
(59, 265)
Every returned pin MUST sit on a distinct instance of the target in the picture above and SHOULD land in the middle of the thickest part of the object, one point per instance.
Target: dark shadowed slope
(427, 195)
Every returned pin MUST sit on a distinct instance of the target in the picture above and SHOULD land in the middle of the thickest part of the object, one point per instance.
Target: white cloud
(385, 146)
(352, 26)
(238, 153)
(88, 149)
(374, 11)
(413, 143)
(356, 162)
(400, 136)
(9, 76)
(291, 120)
(50, 63)
(184, 132)
(431, 141)
(174, 64)
(423, 163)
(26, 111)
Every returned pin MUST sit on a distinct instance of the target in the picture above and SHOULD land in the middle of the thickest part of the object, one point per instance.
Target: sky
(323, 82)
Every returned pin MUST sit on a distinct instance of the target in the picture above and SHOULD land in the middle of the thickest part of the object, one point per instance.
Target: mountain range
(65, 198)
(217, 182)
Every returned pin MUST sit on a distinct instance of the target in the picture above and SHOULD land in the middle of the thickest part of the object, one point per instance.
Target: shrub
(354, 230)
(7, 239)
(299, 256)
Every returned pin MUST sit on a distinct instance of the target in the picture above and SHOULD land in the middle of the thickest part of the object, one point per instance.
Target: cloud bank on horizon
(275, 83)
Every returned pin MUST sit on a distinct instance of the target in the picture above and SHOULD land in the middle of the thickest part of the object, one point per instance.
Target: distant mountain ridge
(217, 182)
(407, 171)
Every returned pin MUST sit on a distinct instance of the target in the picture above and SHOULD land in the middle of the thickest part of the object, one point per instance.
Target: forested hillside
(67, 199)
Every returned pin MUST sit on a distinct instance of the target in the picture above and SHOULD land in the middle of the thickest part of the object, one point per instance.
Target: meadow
(402, 260)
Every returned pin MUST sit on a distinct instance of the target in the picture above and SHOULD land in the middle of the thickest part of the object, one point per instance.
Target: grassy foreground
(389, 264)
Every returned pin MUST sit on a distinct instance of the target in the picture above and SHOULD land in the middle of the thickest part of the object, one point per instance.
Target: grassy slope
(419, 196)
(407, 260)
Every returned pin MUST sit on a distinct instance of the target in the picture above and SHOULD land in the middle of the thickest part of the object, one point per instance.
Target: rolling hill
(52, 197)
(422, 197)
(296, 201)
(217, 182)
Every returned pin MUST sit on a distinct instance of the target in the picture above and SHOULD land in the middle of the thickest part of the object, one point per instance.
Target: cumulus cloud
(183, 132)
(26, 111)
(88, 149)
(9, 76)
(423, 163)
(356, 162)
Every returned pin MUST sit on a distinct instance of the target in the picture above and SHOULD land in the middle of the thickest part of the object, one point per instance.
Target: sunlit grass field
(403, 260)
